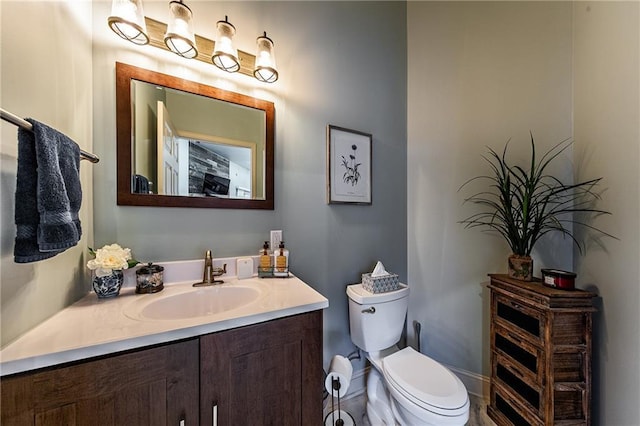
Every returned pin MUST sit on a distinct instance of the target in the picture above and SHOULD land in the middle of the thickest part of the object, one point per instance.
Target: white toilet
(405, 387)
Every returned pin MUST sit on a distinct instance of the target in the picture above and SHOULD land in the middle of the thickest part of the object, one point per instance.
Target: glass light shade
(225, 56)
(265, 68)
(180, 37)
(127, 20)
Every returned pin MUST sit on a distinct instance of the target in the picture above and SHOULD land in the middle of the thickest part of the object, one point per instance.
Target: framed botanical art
(348, 166)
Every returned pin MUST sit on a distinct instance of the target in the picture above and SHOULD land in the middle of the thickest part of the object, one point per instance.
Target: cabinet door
(157, 386)
(264, 374)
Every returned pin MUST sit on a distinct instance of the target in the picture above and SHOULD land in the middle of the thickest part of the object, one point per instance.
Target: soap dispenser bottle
(281, 256)
(265, 258)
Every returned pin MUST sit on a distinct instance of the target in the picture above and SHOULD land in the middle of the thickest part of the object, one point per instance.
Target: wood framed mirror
(186, 144)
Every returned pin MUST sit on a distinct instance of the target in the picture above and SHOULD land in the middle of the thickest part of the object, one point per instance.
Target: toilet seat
(426, 383)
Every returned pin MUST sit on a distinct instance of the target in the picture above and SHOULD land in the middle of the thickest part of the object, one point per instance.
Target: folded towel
(48, 193)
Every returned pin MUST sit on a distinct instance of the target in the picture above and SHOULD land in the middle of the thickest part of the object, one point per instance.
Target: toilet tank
(376, 320)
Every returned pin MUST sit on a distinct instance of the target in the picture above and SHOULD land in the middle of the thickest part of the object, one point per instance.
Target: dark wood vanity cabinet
(156, 386)
(540, 354)
(264, 374)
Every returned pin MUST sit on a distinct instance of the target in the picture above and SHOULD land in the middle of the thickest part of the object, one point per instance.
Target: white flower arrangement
(110, 257)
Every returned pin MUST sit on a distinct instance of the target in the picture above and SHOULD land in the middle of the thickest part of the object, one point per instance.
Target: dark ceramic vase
(109, 285)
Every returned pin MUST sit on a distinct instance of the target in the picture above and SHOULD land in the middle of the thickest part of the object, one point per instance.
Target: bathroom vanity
(540, 354)
(256, 364)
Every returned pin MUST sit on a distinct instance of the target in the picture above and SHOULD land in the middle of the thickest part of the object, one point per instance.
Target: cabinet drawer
(528, 357)
(504, 409)
(527, 322)
(569, 401)
(526, 391)
(570, 366)
(570, 328)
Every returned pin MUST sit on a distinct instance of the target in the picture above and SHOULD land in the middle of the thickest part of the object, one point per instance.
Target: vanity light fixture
(225, 56)
(127, 20)
(265, 67)
(180, 38)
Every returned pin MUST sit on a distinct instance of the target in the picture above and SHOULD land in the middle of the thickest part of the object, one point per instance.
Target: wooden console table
(540, 354)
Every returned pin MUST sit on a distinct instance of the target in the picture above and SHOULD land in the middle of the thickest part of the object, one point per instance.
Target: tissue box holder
(380, 284)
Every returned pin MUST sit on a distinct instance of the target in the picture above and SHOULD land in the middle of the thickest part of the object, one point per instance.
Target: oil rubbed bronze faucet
(208, 277)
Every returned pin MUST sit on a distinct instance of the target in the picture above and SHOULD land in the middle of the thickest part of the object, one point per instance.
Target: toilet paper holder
(336, 383)
(339, 376)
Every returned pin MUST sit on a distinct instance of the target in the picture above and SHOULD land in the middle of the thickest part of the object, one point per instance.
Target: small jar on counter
(149, 279)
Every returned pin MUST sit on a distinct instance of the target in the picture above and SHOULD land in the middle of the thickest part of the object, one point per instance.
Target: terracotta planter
(521, 267)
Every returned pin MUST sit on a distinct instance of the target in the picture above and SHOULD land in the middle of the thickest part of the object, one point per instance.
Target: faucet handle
(216, 272)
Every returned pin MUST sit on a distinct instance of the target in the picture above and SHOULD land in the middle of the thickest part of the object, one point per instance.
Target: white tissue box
(380, 284)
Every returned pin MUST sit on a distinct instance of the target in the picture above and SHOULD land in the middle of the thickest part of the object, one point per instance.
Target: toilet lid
(358, 294)
(424, 381)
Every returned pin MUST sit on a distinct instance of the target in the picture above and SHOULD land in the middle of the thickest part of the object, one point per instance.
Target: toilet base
(378, 404)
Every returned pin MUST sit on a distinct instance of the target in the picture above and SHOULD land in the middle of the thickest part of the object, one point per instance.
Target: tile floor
(355, 406)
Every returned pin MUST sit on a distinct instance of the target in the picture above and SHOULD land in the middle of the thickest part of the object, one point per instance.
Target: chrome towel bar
(14, 119)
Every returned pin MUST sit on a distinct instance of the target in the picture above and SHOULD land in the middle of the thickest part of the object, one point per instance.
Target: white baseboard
(358, 383)
(475, 383)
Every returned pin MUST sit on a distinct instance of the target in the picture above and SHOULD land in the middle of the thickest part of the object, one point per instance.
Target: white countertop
(93, 327)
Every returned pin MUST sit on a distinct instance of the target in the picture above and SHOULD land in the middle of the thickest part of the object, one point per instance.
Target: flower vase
(108, 285)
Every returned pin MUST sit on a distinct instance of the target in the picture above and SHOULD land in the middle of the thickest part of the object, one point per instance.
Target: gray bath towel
(48, 193)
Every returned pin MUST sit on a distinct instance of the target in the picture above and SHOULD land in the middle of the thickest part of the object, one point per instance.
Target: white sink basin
(188, 302)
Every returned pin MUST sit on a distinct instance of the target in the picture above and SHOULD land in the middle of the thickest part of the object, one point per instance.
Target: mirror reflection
(185, 144)
(191, 145)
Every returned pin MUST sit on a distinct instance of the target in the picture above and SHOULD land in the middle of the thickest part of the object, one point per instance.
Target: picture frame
(349, 159)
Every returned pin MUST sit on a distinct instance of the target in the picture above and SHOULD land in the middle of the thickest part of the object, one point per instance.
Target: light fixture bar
(157, 29)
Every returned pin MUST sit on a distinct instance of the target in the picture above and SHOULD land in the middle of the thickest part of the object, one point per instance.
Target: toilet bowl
(404, 386)
(419, 390)
(425, 390)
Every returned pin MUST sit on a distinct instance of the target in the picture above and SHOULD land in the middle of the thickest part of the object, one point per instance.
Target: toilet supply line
(416, 328)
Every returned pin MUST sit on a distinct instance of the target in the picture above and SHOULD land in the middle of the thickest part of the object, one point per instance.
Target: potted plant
(523, 205)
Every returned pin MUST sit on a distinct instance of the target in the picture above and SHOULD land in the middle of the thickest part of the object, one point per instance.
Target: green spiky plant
(524, 205)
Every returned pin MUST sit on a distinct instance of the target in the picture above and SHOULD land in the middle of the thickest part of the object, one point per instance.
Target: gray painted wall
(341, 63)
(145, 130)
(480, 73)
(42, 78)
(606, 101)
